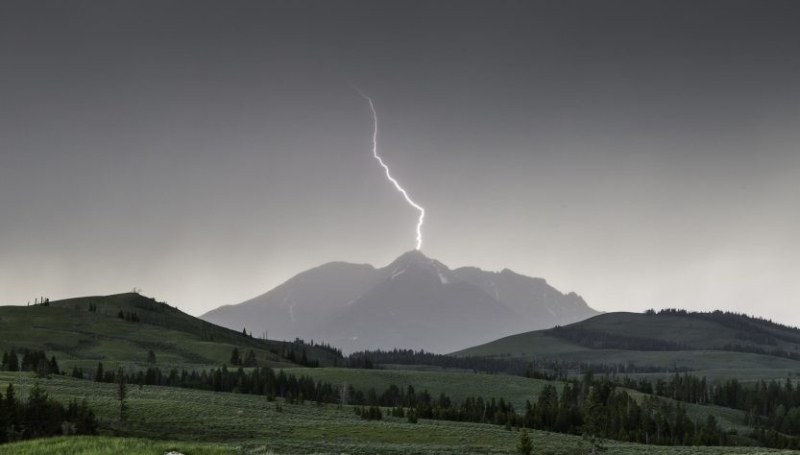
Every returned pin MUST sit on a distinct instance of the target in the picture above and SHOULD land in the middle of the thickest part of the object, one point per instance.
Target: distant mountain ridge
(414, 302)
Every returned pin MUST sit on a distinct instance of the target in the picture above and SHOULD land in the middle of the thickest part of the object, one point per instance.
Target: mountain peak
(418, 263)
(414, 255)
(411, 258)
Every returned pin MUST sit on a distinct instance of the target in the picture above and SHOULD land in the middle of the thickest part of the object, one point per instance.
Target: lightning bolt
(396, 184)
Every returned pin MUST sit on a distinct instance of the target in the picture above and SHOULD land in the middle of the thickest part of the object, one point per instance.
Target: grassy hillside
(707, 331)
(193, 421)
(78, 336)
(712, 344)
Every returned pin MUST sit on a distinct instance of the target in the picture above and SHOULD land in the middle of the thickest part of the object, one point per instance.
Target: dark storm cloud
(639, 153)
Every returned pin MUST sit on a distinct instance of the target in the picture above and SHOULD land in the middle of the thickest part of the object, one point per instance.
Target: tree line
(549, 369)
(29, 360)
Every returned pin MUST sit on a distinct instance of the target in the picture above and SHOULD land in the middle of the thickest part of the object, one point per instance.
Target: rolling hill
(414, 302)
(123, 328)
(717, 344)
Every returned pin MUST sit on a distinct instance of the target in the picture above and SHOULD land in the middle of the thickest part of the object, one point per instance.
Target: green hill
(715, 344)
(123, 328)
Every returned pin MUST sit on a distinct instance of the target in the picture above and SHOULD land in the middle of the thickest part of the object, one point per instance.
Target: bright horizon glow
(388, 174)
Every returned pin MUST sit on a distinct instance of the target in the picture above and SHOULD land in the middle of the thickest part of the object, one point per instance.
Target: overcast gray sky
(642, 154)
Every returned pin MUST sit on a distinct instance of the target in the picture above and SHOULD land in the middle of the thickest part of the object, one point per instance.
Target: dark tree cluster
(299, 356)
(40, 301)
(770, 406)
(128, 316)
(598, 409)
(77, 373)
(31, 361)
(100, 375)
(333, 351)
(297, 351)
(41, 416)
(679, 387)
(248, 360)
(369, 413)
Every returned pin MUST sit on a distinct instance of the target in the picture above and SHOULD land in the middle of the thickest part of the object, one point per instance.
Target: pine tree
(122, 395)
(82, 417)
(77, 372)
(98, 376)
(41, 416)
(250, 359)
(13, 361)
(43, 369)
(525, 446)
(235, 359)
(54, 365)
(593, 416)
(151, 357)
(11, 408)
(4, 420)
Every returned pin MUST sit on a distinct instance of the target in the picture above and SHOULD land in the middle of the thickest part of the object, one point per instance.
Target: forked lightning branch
(396, 184)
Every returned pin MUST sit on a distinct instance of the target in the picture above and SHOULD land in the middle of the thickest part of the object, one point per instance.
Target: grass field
(86, 445)
(192, 421)
(83, 445)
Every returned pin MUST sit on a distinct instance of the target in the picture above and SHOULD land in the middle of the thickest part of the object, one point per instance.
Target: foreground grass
(85, 445)
(101, 445)
(192, 421)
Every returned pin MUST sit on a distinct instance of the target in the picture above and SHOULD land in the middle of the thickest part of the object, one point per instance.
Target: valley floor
(198, 422)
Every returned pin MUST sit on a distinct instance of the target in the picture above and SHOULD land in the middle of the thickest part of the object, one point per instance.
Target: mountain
(538, 302)
(87, 330)
(414, 302)
(297, 306)
(718, 343)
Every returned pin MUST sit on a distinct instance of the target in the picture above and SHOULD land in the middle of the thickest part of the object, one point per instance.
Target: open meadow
(191, 421)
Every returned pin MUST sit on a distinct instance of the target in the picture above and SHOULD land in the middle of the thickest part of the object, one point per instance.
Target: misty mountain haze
(414, 302)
